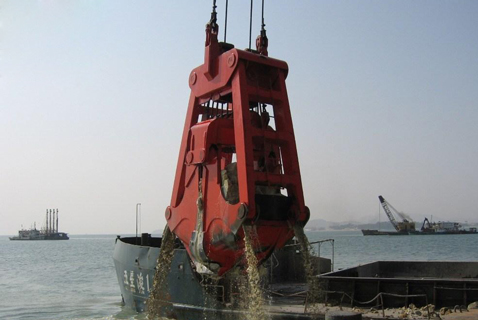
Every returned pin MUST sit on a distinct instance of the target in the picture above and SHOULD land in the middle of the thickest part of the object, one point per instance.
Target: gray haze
(93, 96)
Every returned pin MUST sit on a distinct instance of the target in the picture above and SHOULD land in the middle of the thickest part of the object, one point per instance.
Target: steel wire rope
(225, 22)
(250, 25)
(213, 20)
(263, 24)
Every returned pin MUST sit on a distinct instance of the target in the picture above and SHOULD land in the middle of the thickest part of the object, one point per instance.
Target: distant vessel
(407, 225)
(443, 227)
(49, 233)
(402, 227)
(372, 232)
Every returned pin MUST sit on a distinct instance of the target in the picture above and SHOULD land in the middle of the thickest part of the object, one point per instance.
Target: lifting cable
(213, 18)
(263, 24)
(250, 23)
(250, 26)
(225, 22)
(213, 21)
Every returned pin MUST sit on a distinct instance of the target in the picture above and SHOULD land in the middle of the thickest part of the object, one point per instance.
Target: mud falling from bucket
(210, 291)
(253, 295)
(314, 294)
(158, 298)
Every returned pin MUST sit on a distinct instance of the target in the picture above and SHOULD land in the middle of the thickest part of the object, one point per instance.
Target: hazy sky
(93, 95)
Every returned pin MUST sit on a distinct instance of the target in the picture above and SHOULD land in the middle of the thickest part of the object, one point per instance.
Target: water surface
(75, 279)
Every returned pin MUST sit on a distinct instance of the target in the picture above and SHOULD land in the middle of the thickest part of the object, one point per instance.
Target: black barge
(400, 283)
(190, 296)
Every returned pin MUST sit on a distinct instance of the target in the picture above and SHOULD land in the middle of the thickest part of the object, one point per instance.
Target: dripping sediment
(253, 301)
(211, 287)
(158, 299)
(314, 293)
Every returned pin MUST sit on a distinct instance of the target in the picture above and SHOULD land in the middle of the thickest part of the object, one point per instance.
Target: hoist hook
(213, 21)
(261, 41)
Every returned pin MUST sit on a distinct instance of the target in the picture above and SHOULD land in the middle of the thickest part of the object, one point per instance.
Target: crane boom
(401, 215)
(405, 225)
(388, 212)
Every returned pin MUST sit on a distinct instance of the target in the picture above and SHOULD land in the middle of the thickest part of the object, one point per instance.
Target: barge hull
(443, 284)
(368, 232)
(189, 296)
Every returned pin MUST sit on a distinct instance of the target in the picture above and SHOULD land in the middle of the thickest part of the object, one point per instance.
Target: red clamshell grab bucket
(238, 161)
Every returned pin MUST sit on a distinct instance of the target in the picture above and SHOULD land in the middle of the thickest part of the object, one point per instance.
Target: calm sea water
(76, 279)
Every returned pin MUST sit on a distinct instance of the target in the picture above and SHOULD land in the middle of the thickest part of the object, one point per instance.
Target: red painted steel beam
(236, 137)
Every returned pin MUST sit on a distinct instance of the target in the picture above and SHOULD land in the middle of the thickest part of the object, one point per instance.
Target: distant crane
(407, 224)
